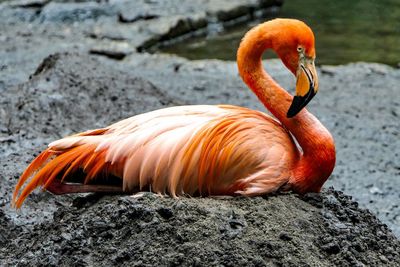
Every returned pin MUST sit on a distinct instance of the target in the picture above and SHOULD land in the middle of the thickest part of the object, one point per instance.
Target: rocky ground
(96, 76)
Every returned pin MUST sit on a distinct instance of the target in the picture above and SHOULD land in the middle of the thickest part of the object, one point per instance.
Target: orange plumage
(206, 149)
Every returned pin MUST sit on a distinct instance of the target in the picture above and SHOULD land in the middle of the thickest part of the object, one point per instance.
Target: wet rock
(14, 14)
(375, 190)
(113, 50)
(329, 70)
(71, 12)
(4, 224)
(142, 238)
(379, 69)
(331, 248)
(133, 18)
(29, 3)
(285, 236)
(48, 63)
(165, 213)
(229, 12)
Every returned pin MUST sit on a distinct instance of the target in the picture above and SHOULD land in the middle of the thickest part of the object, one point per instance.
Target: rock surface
(44, 97)
(146, 230)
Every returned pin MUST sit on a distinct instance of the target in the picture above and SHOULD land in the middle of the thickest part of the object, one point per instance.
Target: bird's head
(295, 47)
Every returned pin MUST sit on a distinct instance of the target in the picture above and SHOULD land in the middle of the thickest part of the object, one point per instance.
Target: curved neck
(314, 139)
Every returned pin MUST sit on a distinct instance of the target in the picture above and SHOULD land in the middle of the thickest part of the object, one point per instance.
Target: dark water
(346, 31)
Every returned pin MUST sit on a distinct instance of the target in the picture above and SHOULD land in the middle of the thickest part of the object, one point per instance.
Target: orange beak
(306, 86)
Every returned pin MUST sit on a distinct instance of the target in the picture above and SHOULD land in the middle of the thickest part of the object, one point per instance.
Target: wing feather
(187, 149)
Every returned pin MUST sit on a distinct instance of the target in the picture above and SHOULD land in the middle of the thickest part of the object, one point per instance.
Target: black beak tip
(299, 102)
(296, 106)
(291, 112)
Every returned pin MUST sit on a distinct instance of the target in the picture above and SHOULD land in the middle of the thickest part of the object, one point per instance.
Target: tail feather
(43, 171)
(33, 167)
(99, 165)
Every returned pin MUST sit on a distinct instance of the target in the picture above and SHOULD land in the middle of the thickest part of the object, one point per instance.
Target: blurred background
(348, 31)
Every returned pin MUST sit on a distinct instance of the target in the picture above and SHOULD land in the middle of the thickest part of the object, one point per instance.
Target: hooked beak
(306, 86)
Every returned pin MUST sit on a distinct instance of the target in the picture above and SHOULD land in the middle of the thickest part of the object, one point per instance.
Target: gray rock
(74, 12)
(29, 3)
(112, 49)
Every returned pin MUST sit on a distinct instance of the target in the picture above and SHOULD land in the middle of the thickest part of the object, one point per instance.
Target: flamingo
(206, 149)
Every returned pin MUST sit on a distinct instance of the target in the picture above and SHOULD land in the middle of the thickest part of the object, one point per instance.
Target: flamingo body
(200, 149)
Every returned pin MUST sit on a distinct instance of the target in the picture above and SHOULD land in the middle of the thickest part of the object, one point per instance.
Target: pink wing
(177, 150)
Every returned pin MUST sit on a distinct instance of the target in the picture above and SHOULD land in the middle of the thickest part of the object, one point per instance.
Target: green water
(346, 31)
